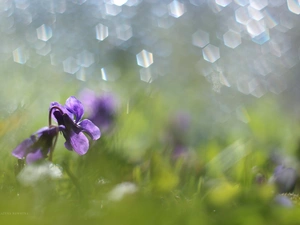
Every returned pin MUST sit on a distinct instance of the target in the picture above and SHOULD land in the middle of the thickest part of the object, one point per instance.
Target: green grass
(215, 184)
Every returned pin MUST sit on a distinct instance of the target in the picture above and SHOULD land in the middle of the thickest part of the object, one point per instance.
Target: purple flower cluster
(41, 144)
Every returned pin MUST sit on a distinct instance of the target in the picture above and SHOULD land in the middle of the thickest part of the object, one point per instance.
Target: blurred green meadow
(129, 176)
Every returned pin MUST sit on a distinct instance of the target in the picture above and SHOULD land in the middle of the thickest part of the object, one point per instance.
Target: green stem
(73, 179)
(52, 148)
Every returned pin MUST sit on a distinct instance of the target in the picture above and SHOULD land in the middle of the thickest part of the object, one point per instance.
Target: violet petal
(79, 143)
(34, 156)
(21, 150)
(50, 131)
(75, 107)
(90, 128)
(40, 131)
(68, 146)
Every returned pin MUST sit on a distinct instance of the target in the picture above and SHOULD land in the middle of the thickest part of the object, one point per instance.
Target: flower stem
(53, 146)
(73, 179)
(50, 113)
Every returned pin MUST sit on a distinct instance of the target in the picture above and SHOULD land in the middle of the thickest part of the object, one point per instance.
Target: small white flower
(121, 190)
(34, 173)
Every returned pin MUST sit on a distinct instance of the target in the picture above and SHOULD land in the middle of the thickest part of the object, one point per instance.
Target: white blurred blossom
(120, 190)
(34, 173)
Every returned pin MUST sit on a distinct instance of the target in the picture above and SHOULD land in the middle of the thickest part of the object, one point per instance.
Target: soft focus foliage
(130, 176)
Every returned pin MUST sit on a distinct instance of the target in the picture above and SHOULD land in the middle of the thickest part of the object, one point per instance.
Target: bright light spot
(223, 3)
(44, 32)
(144, 58)
(293, 6)
(211, 53)
(176, 9)
(19, 56)
(101, 32)
(118, 2)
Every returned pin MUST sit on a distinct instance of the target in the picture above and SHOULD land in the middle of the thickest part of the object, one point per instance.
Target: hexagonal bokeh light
(232, 39)
(242, 15)
(112, 9)
(34, 34)
(70, 65)
(254, 13)
(293, 6)
(176, 9)
(223, 3)
(118, 2)
(124, 32)
(101, 32)
(44, 32)
(200, 38)
(22, 4)
(258, 4)
(85, 58)
(19, 55)
(145, 75)
(242, 2)
(144, 58)
(211, 53)
(255, 28)
(45, 50)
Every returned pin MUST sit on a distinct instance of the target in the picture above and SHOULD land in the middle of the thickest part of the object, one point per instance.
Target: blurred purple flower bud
(283, 201)
(178, 128)
(102, 109)
(176, 134)
(285, 179)
(181, 121)
(180, 151)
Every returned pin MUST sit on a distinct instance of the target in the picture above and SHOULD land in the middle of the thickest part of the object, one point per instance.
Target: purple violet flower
(285, 179)
(38, 146)
(70, 116)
